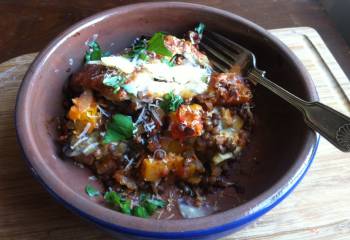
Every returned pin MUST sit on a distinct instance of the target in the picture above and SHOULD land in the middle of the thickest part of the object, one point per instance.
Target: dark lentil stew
(156, 125)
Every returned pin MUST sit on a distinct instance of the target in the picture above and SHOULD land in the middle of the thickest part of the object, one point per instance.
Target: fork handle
(332, 125)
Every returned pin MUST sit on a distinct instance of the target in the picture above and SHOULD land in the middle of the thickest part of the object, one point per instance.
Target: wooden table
(26, 210)
(27, 26)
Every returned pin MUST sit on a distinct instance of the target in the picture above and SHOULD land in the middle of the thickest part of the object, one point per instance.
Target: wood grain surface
(318, 209)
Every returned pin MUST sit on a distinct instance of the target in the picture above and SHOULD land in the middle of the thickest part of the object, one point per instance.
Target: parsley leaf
(115, 82)
(125, 206)
(152, 205)
(139, 49)
(112, 197)
(156, 44)
(119, 128)
(94, 53)
(91, 191)
(115, 199)
(146, 207)
(139, 211)
(200, 29)
(123, 124)
(150, 208)
(149, 203)
(171, 102)
(112, 136)
(156, 202)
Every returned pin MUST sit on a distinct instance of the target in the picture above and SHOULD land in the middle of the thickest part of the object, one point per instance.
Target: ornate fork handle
(332, 125)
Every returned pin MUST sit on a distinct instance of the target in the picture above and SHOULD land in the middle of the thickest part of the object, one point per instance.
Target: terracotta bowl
(281, 150)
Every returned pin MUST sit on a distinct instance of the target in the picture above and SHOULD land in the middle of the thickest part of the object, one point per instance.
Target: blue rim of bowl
(187, 234)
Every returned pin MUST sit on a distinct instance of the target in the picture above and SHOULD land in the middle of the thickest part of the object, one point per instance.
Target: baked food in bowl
(274, 160)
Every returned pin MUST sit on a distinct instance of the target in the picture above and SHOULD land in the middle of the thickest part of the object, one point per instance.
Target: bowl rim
(219, 222)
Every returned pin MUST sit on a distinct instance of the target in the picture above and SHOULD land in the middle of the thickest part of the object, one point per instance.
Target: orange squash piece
(187, 121)
(153, 170)
(84, 111)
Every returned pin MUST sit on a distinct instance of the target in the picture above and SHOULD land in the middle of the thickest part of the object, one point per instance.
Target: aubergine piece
(91, 77)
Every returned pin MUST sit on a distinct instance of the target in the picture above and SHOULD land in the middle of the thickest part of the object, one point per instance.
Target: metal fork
(224, 53)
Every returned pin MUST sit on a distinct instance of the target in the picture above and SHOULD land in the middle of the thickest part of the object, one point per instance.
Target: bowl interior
(279, 139)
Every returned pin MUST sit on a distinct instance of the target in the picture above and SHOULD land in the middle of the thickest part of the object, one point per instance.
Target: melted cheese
(158, 78)
(122, 63)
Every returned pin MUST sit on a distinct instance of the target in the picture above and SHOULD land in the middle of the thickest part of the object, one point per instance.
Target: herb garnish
(170, 62)
(119, 128)
(114, 81)
(125, 206)
(146, 207)
(152, 205)
(139, 49)
(115, 199)
(112, 197)
(171, 102)
(139, 211)
(200, 29)
(156, 44)
(91, 191)
(94, 53)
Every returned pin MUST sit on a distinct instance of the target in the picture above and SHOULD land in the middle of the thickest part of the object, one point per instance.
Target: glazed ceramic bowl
(281, 150)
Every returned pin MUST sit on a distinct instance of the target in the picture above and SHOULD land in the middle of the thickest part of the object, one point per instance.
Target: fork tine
(217, 55)
(216, 58)
(227, 42)
(226, 50)
(217, 66)
(224, 53)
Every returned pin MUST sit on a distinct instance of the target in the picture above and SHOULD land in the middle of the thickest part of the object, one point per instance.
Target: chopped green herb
(139, 49)
(146, 207)
(150, 208)
(143, 197)
(123, 124)
(119, 128)
(139, 211)
(170, 63)
(152, 205)
(115, 82)
(91, 191)
(156, 44)
(156, 202)
(143, 56)
(200, 29)
(125, 206)
(112, 197)
(94, 53)
(112, 136)
(171, 102)
(115, 199)
(205, 78)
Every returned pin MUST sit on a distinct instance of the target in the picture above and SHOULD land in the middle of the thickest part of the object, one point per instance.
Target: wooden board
(318, 209)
